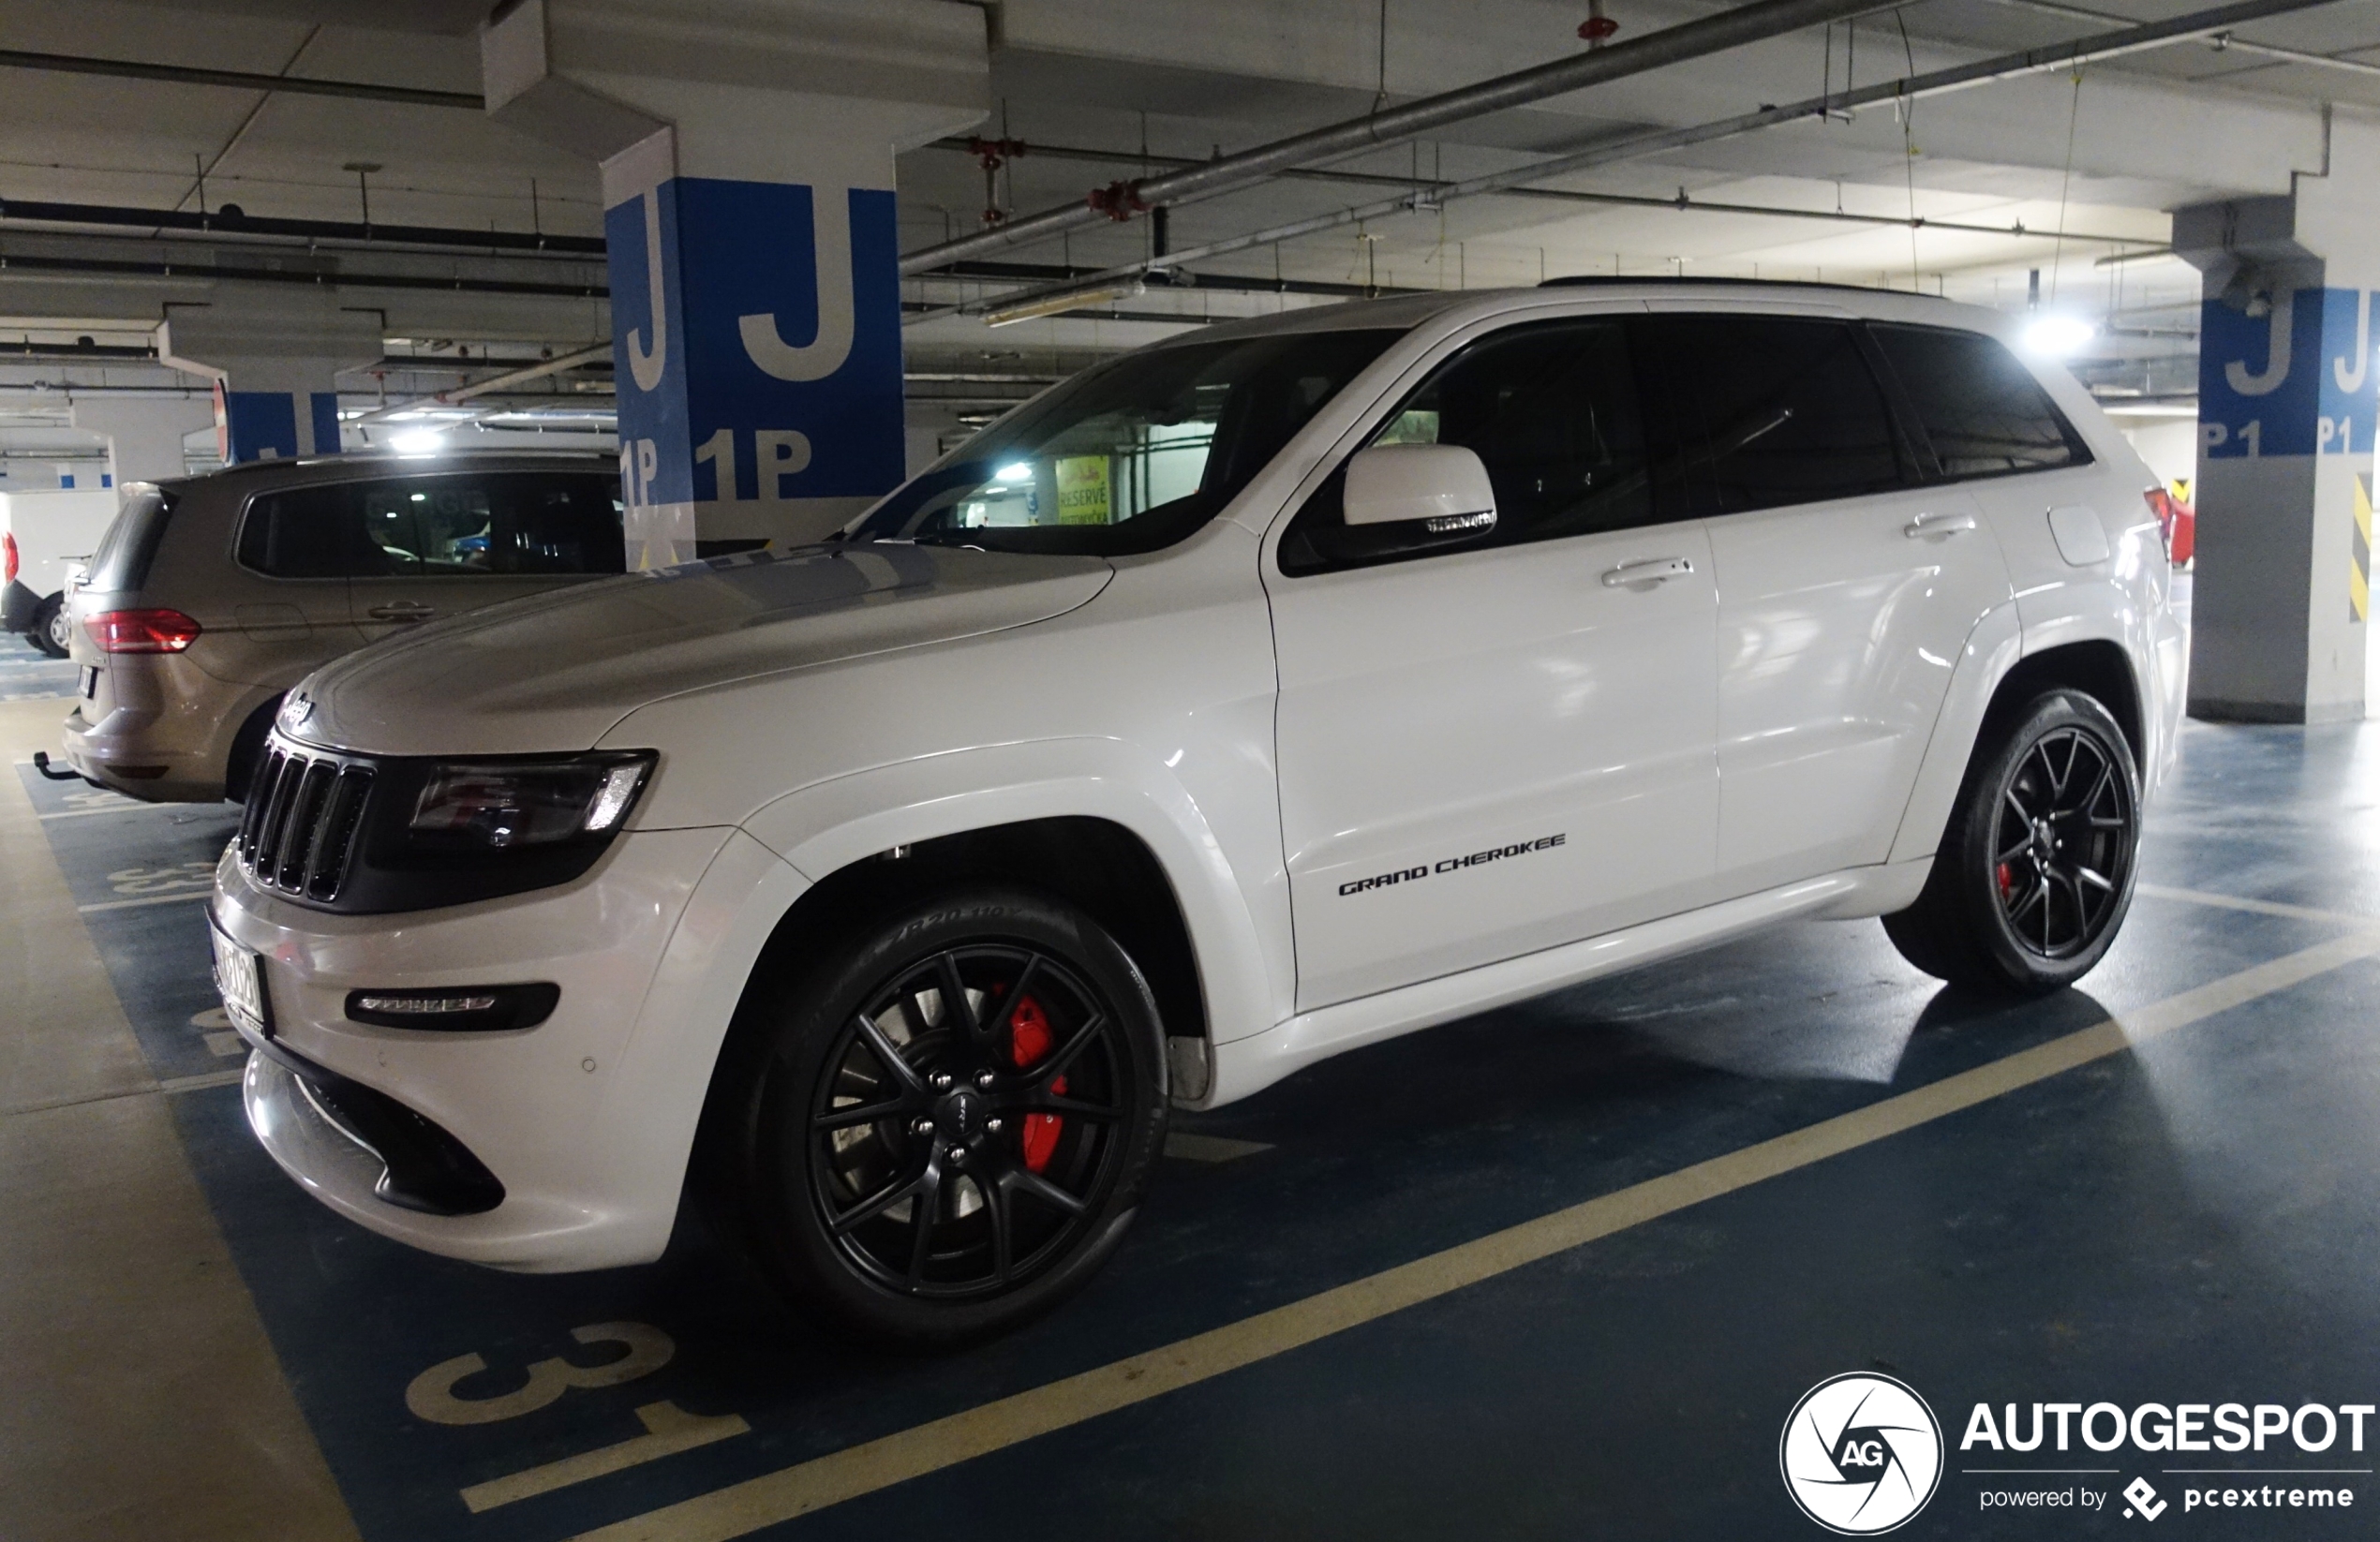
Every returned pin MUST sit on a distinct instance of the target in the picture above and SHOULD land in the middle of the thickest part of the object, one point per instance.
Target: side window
(307, 532)
(1764, 411)
(434, 526)
(443, 526)
(1982, 411)
(558, 525)
(1552, 412)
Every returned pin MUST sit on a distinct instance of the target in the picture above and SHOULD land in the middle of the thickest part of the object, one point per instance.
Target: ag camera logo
(1860, 1454)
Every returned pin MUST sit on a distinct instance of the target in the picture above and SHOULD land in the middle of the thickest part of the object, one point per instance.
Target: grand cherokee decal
(1408, 875)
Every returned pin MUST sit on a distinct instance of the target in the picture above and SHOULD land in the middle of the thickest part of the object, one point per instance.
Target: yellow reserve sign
(1082, 491)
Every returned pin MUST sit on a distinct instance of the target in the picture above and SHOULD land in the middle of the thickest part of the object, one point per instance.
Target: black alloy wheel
(2034, 873)
(2061, 842)
(954, 1121)
(967, 1123)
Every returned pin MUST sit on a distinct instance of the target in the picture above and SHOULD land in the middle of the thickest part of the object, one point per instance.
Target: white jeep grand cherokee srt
(1254, 696)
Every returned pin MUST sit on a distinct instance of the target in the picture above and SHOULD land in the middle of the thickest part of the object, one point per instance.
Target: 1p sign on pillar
(757, 338)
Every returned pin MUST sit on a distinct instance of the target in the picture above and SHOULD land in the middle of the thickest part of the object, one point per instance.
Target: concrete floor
(1348, 1293)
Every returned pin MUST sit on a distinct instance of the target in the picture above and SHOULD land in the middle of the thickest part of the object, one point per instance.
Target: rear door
(442, 543)
(1846, 588)
(1501, 746)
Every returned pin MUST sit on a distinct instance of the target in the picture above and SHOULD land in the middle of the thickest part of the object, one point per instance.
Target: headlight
(498, 805)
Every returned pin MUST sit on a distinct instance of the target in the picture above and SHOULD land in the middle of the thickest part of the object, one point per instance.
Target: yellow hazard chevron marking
(2359, 575)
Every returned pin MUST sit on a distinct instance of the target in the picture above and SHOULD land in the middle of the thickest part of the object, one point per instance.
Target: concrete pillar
(144, 433)
(2289, 402)
(746, 150)
(275, 370)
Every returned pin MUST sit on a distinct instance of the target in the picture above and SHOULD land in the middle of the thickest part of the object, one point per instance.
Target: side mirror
(1440, 487)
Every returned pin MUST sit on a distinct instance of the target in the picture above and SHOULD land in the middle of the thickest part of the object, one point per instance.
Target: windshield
(1130, 456)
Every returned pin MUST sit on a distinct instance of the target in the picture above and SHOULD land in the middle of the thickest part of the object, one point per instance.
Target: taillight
(2177, 521)
(141, 631)
(2161, 506)
(7, 556)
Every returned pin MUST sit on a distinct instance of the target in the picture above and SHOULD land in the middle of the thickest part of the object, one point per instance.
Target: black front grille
(298, 835)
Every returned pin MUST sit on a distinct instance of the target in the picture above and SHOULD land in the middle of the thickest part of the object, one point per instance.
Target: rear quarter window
(131, 545)
(1980, 408)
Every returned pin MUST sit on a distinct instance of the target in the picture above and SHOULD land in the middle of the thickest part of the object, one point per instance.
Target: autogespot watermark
(1862, 1454)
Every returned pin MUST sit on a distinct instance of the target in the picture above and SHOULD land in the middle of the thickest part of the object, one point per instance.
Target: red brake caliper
(2007, 881)
(1029, 1040)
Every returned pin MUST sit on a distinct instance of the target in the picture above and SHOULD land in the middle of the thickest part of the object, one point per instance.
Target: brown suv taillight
(141, 631)
(7, 556)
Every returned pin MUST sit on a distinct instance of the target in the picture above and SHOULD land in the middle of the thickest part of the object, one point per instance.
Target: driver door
(1508, 743)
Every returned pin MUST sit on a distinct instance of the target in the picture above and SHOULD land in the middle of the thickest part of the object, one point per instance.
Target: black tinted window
(1981, 409)
(130, 544)
(1768, 410)
(1552, 412)
(451, 525)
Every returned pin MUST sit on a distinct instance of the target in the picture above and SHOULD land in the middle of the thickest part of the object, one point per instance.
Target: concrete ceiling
(2103, 157)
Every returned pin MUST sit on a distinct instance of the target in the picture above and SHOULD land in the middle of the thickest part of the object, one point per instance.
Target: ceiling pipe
(241, 80)
(588, 355)
(1752, 23)
(229, 220)
(2220, 42)
(1958, 77)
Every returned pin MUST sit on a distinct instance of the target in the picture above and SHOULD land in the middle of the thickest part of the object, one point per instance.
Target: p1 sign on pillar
(2296, 380)
(757, 346)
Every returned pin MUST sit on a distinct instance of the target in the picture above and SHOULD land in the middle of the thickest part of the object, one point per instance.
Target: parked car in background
(43, 533)
(211, 596)
(1247, 699)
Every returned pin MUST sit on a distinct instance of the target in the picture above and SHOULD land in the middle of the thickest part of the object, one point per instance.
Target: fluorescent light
(1018, 472)
(1029, 306)
(2058, 336)
(417, 442)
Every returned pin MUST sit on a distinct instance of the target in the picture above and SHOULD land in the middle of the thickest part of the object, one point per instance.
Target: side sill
(1248, 1065)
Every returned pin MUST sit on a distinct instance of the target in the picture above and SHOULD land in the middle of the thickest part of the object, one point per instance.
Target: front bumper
(17, 605)
(586, 1120)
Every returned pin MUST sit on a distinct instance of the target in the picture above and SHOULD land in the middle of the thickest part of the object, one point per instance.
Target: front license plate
(239, 979)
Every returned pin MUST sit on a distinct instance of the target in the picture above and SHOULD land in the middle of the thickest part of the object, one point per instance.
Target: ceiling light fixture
(2056, 336)
(1054, 305)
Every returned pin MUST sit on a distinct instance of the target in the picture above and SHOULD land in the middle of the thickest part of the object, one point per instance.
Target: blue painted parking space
(457, 1403)
(29, 675)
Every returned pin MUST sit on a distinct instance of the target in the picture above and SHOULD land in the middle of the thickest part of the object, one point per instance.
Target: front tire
(2034, 874)
(942, 1128)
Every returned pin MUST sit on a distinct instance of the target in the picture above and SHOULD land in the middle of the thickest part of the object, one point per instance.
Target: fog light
(466, 1009)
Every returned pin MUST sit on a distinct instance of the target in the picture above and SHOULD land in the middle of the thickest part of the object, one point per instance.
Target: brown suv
(209, 597)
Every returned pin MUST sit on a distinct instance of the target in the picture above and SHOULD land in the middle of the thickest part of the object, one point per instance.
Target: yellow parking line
(795, 1491)
(668, 1430)
(2256, 906)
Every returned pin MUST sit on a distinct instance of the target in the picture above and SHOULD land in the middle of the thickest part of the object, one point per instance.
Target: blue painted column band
(762, 361)
(264, 424)
(2296, 379)
(259, 425)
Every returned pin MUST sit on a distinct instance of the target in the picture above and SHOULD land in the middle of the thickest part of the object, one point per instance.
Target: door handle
(1652, 570)
(402, 610)
(1926, 525)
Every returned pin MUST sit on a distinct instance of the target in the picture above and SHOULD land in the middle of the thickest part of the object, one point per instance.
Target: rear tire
(2034, 874)
(51, 630)
(1012, 1138)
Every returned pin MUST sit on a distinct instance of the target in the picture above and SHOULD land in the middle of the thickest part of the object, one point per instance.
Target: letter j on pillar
(766, 312)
